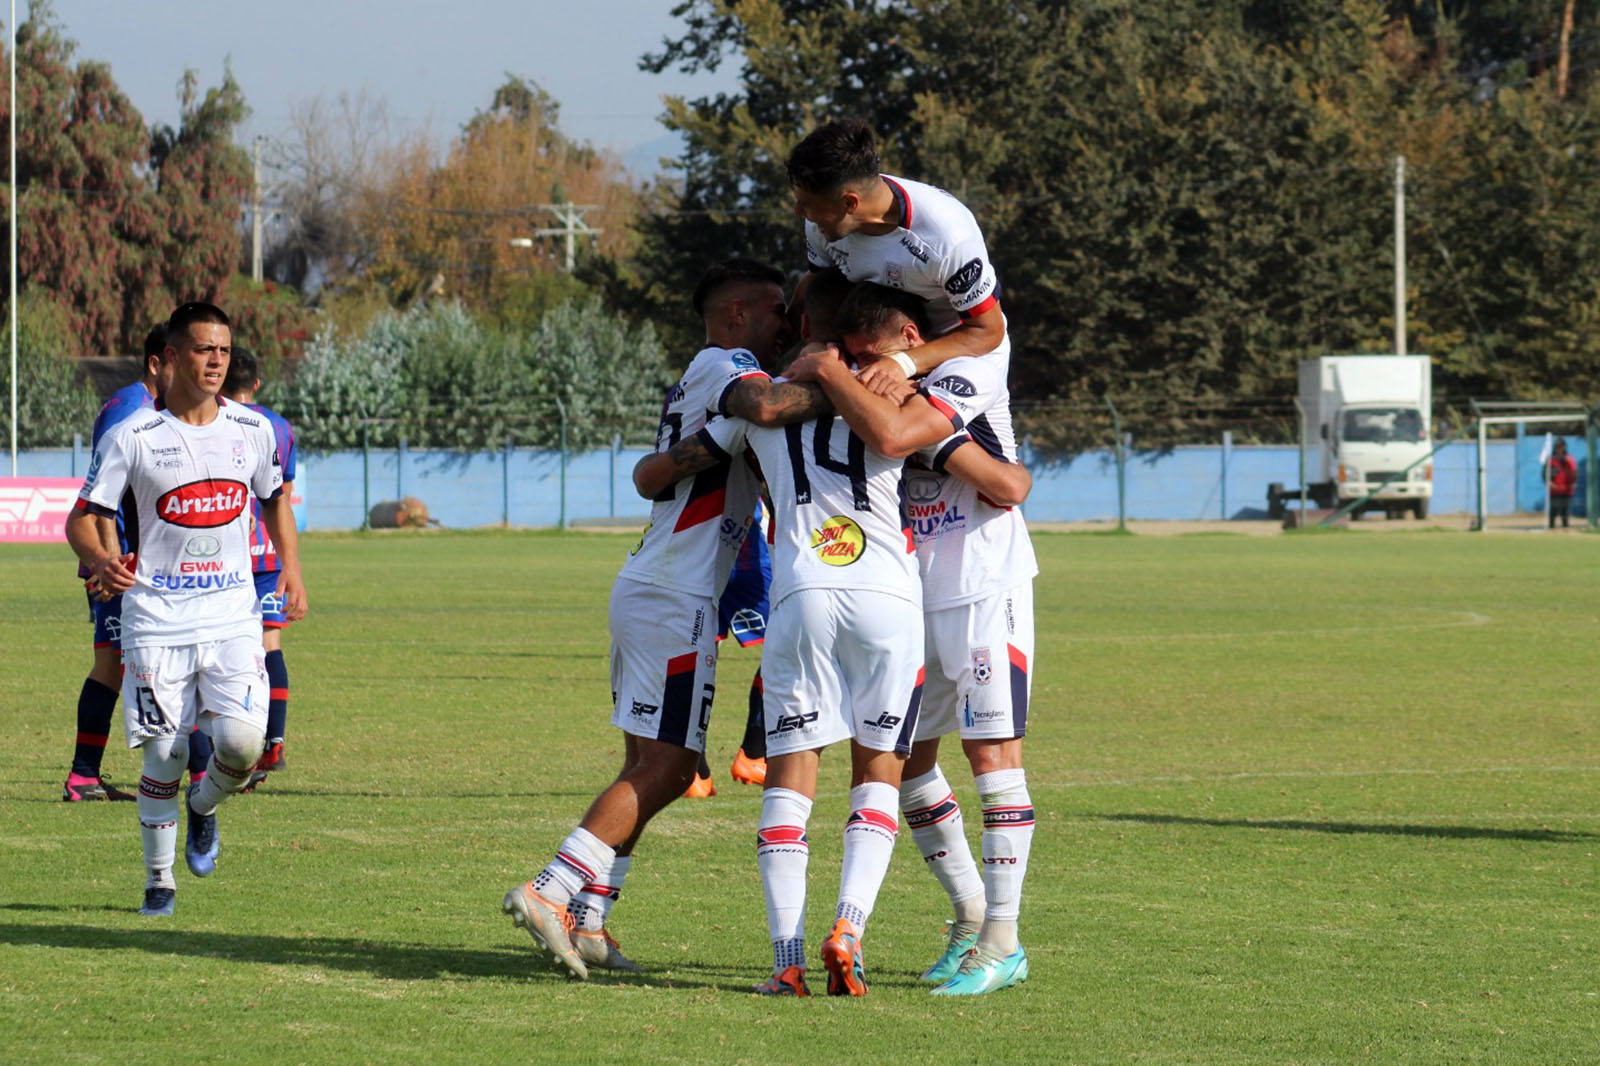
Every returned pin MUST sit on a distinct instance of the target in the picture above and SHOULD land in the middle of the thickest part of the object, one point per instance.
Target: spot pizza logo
(965, 278)
(203, 504)
(839, 542)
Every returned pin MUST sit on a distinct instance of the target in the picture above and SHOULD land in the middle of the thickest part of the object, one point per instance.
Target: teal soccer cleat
(981, 972)
(957, 945)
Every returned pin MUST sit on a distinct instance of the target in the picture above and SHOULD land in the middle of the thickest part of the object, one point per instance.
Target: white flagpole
(13, 242)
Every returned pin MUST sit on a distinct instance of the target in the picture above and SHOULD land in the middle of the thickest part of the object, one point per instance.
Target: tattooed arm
(655, 474)
(764, 402)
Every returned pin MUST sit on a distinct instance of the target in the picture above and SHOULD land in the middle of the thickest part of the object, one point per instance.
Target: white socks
(164, 760)
(782, 854)
(592, 906)
(940, 833)
(582, 859)
(868, 844)
(1007, 837)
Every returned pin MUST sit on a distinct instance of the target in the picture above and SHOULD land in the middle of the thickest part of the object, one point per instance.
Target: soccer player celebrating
(977, 567)
(899, 233)
(842, 661)
(240, 386)
(663, 616)
(98, 697)
(191, 622)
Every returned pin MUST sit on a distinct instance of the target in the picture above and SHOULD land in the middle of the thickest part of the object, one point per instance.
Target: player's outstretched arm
(1002, 484)
(278, 516)
(978, 335)
(107, 569)
(764, 402)
(884, 425)
(656, 473)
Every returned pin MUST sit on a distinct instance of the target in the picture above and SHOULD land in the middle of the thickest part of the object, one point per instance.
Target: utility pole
(1400, 255)
(1564, 62)
(255, 214)
(572, 224)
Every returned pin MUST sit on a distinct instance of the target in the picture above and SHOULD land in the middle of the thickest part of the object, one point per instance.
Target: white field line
(1254, 775)
(1467, 618)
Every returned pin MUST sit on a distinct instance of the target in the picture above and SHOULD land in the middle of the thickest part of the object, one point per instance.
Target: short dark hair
(825, 295)
(155, 342)
(730, 272)
(871, 310)
(186, 315)
(241, 375)
(833, 156)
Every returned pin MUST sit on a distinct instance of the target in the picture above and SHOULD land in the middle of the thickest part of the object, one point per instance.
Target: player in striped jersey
(977, 568)
(663, 615)
(98, 698)
(241, 385)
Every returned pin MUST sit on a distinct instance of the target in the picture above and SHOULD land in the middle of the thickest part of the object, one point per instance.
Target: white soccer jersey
(697, 526)
(836, 507)
(937, 253)
(192, 487)
(967, 548)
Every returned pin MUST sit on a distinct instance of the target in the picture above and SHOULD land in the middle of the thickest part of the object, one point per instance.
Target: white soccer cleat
(548, 924)
(597, 948)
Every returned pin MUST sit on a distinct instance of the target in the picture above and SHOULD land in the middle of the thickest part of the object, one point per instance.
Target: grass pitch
(1301, 800)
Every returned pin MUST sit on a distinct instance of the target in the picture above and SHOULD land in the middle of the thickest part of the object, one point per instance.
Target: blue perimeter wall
(465, 490)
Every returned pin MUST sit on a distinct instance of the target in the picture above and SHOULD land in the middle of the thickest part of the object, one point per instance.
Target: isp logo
(203, 504)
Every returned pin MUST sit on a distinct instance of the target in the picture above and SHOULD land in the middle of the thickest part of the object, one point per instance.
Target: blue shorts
(272, 616)
(742, 611)
(107, 619)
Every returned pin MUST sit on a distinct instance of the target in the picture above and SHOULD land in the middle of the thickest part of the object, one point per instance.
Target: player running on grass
(191, 620)
(663, 616)
(98, 697)
(977, 566)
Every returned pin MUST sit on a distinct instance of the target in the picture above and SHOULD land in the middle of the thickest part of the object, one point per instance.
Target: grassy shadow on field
(390, 961)
(1458, 832)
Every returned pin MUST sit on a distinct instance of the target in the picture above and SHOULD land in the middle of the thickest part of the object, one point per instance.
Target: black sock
(199, 752)
(278, 703)
(96, 703)
(704, 769)
(754, 744)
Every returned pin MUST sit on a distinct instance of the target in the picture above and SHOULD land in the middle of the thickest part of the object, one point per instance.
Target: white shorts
(663, 662)
(980, 659)
(839, 664)
(170, 691)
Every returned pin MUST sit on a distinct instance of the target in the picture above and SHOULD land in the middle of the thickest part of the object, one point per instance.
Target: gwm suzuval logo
(202, 504)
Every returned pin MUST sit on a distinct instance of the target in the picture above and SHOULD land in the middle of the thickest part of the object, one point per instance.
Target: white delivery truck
(1367, 423)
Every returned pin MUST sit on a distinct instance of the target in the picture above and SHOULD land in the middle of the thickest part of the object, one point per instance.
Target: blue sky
(433, 64)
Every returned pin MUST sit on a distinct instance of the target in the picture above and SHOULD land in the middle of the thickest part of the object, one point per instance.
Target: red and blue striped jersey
(123, 405)
(263, 553)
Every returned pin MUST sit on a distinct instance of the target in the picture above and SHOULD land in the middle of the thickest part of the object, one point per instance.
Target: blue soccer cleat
(982, 972)
(200, 843)
(159, 901)
(956, 946)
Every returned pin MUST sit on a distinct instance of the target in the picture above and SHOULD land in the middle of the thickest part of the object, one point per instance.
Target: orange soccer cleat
(700, 788)
(748, 771)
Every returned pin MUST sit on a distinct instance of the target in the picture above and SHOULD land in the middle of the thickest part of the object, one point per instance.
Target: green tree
(117, 223)
(52, 403)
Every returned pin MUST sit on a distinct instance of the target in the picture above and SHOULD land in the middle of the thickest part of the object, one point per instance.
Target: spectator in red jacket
(1561, 474)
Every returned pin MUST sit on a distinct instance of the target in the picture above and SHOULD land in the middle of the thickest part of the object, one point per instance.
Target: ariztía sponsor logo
(202, 504)
(839, 542)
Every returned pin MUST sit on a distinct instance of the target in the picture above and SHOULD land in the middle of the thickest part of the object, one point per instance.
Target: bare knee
(987, 756)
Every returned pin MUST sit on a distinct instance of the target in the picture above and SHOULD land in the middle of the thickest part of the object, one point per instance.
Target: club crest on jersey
(202, 504)
(238, 455)
(982, 669)
(839, 542)
(892, 276)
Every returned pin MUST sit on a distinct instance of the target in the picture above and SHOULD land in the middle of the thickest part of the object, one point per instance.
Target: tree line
(1182, 200)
